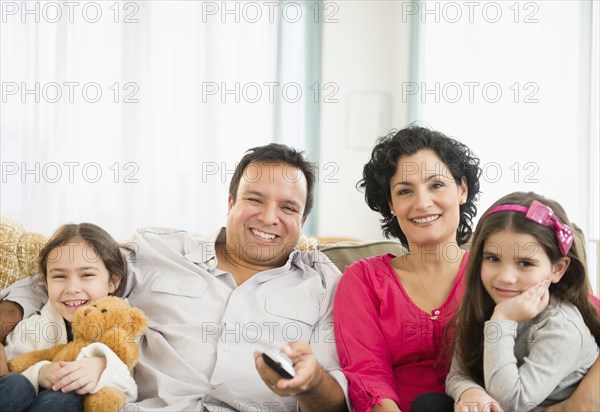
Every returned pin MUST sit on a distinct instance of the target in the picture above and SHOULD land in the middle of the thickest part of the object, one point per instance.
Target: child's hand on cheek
(525, 306)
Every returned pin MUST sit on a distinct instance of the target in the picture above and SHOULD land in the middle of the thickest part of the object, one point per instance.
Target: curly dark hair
(277, 154)
(378, 172)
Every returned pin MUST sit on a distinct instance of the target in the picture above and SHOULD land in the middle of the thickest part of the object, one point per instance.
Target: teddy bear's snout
(86, 311)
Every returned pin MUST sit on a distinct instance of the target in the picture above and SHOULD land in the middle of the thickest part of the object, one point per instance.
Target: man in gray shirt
(215, 304)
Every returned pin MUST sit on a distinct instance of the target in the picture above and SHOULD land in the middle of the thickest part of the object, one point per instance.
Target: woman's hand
(80, 376)
(586, 397)
(387, 405)
(476, 400)
(525, 306)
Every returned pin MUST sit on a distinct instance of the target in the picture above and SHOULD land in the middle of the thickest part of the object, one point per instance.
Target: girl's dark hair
(380, 169)
(477, 306)
(99, 240)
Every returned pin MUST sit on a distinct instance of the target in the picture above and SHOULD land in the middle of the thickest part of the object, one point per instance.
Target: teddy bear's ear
(139, 320)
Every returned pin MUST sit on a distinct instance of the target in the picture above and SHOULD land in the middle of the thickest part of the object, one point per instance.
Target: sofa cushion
(343, 254)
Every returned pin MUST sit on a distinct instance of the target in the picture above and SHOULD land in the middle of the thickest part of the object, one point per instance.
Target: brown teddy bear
(18, 251)
(110, 321)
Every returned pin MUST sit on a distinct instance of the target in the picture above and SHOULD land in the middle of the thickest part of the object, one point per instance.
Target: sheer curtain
(131, 114)
(518, 83)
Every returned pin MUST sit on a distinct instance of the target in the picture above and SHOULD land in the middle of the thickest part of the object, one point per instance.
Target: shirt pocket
(173, 300)
(179, 286)
(290, 319)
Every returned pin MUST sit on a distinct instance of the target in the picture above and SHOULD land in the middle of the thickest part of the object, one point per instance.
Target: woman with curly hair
(390, 312)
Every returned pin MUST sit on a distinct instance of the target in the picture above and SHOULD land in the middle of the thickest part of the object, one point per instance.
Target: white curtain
(131, 114)
(518, 83)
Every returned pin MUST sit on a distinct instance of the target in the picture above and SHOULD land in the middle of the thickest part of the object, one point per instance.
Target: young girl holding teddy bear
(80, 263)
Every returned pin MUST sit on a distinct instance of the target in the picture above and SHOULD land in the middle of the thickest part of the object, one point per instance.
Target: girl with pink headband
(526, 330)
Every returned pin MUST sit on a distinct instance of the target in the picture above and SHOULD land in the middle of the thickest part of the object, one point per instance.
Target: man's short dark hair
(276, 153)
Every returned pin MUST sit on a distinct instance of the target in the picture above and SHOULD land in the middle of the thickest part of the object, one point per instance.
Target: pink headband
(542, 214)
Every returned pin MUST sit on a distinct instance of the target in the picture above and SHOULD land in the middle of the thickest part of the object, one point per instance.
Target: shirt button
(293, 313)
(177, 290)
(437, 312)
(434, 317)
(225, 348)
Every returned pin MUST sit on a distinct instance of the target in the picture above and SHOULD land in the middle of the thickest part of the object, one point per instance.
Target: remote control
(280, 363)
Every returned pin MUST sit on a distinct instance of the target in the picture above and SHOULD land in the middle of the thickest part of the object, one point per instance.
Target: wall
(366, 54)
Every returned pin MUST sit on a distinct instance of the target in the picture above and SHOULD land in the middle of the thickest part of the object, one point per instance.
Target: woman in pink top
(390, 312)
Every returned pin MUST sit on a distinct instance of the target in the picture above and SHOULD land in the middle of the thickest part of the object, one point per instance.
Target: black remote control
(279, 363)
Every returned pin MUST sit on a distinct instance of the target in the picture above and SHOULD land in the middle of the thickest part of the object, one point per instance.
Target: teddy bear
(109, 320)
(18, 251)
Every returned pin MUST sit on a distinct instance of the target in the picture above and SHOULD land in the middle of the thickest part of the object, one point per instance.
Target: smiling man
(267, 209)
(215, 304)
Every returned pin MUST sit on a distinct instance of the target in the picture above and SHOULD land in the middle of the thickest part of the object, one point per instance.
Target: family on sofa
(385, 340)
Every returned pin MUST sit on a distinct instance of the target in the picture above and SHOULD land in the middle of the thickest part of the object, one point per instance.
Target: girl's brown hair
(99, 240)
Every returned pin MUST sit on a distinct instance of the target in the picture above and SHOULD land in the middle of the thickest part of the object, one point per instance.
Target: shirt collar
(293, 261)
(203, 251)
